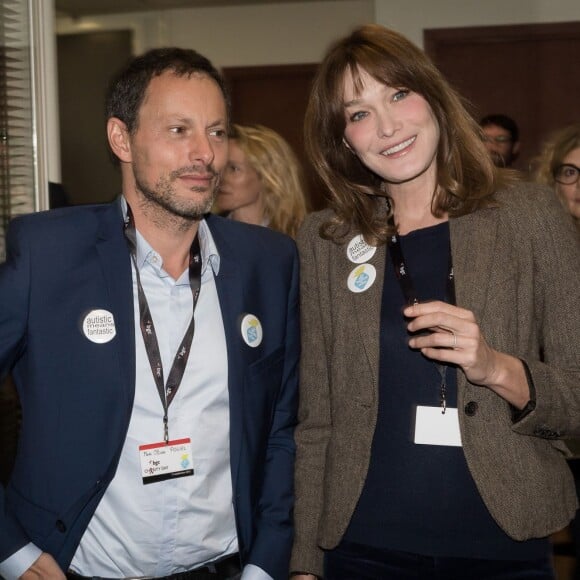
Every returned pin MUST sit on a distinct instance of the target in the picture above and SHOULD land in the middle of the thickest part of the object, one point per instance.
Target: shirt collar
(209, 252)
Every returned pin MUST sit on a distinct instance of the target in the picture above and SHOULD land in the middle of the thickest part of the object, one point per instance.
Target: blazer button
(60, 526)
(546, 432)
(471, 408)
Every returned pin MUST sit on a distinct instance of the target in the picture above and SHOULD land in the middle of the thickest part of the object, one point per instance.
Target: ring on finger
(454, 345)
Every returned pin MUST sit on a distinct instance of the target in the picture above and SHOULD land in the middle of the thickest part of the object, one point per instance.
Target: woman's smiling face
(392, 130)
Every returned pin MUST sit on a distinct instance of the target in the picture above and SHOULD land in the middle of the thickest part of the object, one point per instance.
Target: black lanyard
(404, 277)
(167, 391)
(409, 292)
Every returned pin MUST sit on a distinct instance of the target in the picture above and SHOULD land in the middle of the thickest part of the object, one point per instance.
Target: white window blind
(17, 130)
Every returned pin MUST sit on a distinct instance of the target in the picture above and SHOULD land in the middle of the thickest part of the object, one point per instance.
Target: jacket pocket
(271, 363)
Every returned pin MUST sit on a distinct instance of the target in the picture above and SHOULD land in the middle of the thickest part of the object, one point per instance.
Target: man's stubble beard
(176, 212)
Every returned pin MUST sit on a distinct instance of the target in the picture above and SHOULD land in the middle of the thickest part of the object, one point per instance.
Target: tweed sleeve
(314, 419)
(555, 244)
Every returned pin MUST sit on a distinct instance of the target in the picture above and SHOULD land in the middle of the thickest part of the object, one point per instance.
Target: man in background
(501, 136)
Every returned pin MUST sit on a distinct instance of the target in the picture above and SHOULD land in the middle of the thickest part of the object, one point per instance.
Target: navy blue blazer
(77, 396)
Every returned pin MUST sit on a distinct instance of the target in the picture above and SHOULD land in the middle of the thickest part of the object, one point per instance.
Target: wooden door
(276, 96)
(529, 72)
(86, 63)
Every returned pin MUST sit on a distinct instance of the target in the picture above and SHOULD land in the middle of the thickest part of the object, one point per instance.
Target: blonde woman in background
(262, 182)
(558, 166)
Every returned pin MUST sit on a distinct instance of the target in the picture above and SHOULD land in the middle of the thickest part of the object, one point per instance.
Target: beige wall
(284, 33)
(252, 35)
(289, 33)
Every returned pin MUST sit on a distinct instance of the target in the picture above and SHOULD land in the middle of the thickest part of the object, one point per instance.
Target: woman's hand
(455, 337)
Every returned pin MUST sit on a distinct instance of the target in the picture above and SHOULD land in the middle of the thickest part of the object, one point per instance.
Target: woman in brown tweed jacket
(441, 319)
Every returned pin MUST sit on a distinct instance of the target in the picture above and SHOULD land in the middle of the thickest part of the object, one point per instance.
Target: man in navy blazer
(154, 443)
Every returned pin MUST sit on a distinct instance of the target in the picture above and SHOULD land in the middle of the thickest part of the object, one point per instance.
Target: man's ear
(119, 141)
(515, 149)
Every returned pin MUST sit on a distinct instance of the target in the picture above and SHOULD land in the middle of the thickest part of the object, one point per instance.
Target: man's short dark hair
(504, 122)
(127, 89)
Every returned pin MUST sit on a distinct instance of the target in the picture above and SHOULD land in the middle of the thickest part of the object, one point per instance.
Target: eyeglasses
(499, 139)
(567, 174)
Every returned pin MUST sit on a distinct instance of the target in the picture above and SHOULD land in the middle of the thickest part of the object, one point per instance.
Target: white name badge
(160, 461)
(432, 427)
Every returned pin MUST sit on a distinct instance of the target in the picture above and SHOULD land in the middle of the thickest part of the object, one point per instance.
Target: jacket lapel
(366, 308)
(473, 251)
(231, 289)
(115, 266)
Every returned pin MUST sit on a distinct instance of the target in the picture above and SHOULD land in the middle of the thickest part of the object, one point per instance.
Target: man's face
(180, 144)
(499, 143)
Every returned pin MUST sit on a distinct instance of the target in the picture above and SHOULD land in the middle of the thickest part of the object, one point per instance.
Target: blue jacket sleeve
(14, 291)
(273, 541)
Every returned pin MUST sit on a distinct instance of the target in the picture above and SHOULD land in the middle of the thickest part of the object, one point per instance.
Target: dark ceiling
(80, 8)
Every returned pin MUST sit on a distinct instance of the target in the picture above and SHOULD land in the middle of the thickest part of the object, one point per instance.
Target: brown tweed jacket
(517, 267)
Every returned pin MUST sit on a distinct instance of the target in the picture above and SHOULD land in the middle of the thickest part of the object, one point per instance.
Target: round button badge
(362, 278)
(99, 326)
(358, 251)
(252, 332)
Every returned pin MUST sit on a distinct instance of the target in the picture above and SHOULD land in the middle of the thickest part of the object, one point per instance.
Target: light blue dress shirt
(175, 525)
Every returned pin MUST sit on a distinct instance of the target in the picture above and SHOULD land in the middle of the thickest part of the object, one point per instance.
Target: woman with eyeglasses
(559, 167)
(440, 367)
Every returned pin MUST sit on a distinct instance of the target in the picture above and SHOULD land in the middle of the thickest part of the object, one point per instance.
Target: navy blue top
(422, 498)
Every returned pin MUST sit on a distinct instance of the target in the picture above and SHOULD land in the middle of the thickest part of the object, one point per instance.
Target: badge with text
(160, 461)
(99, 326)
(432, 427)
(358, 251)
(251, 329)
(362, 278)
